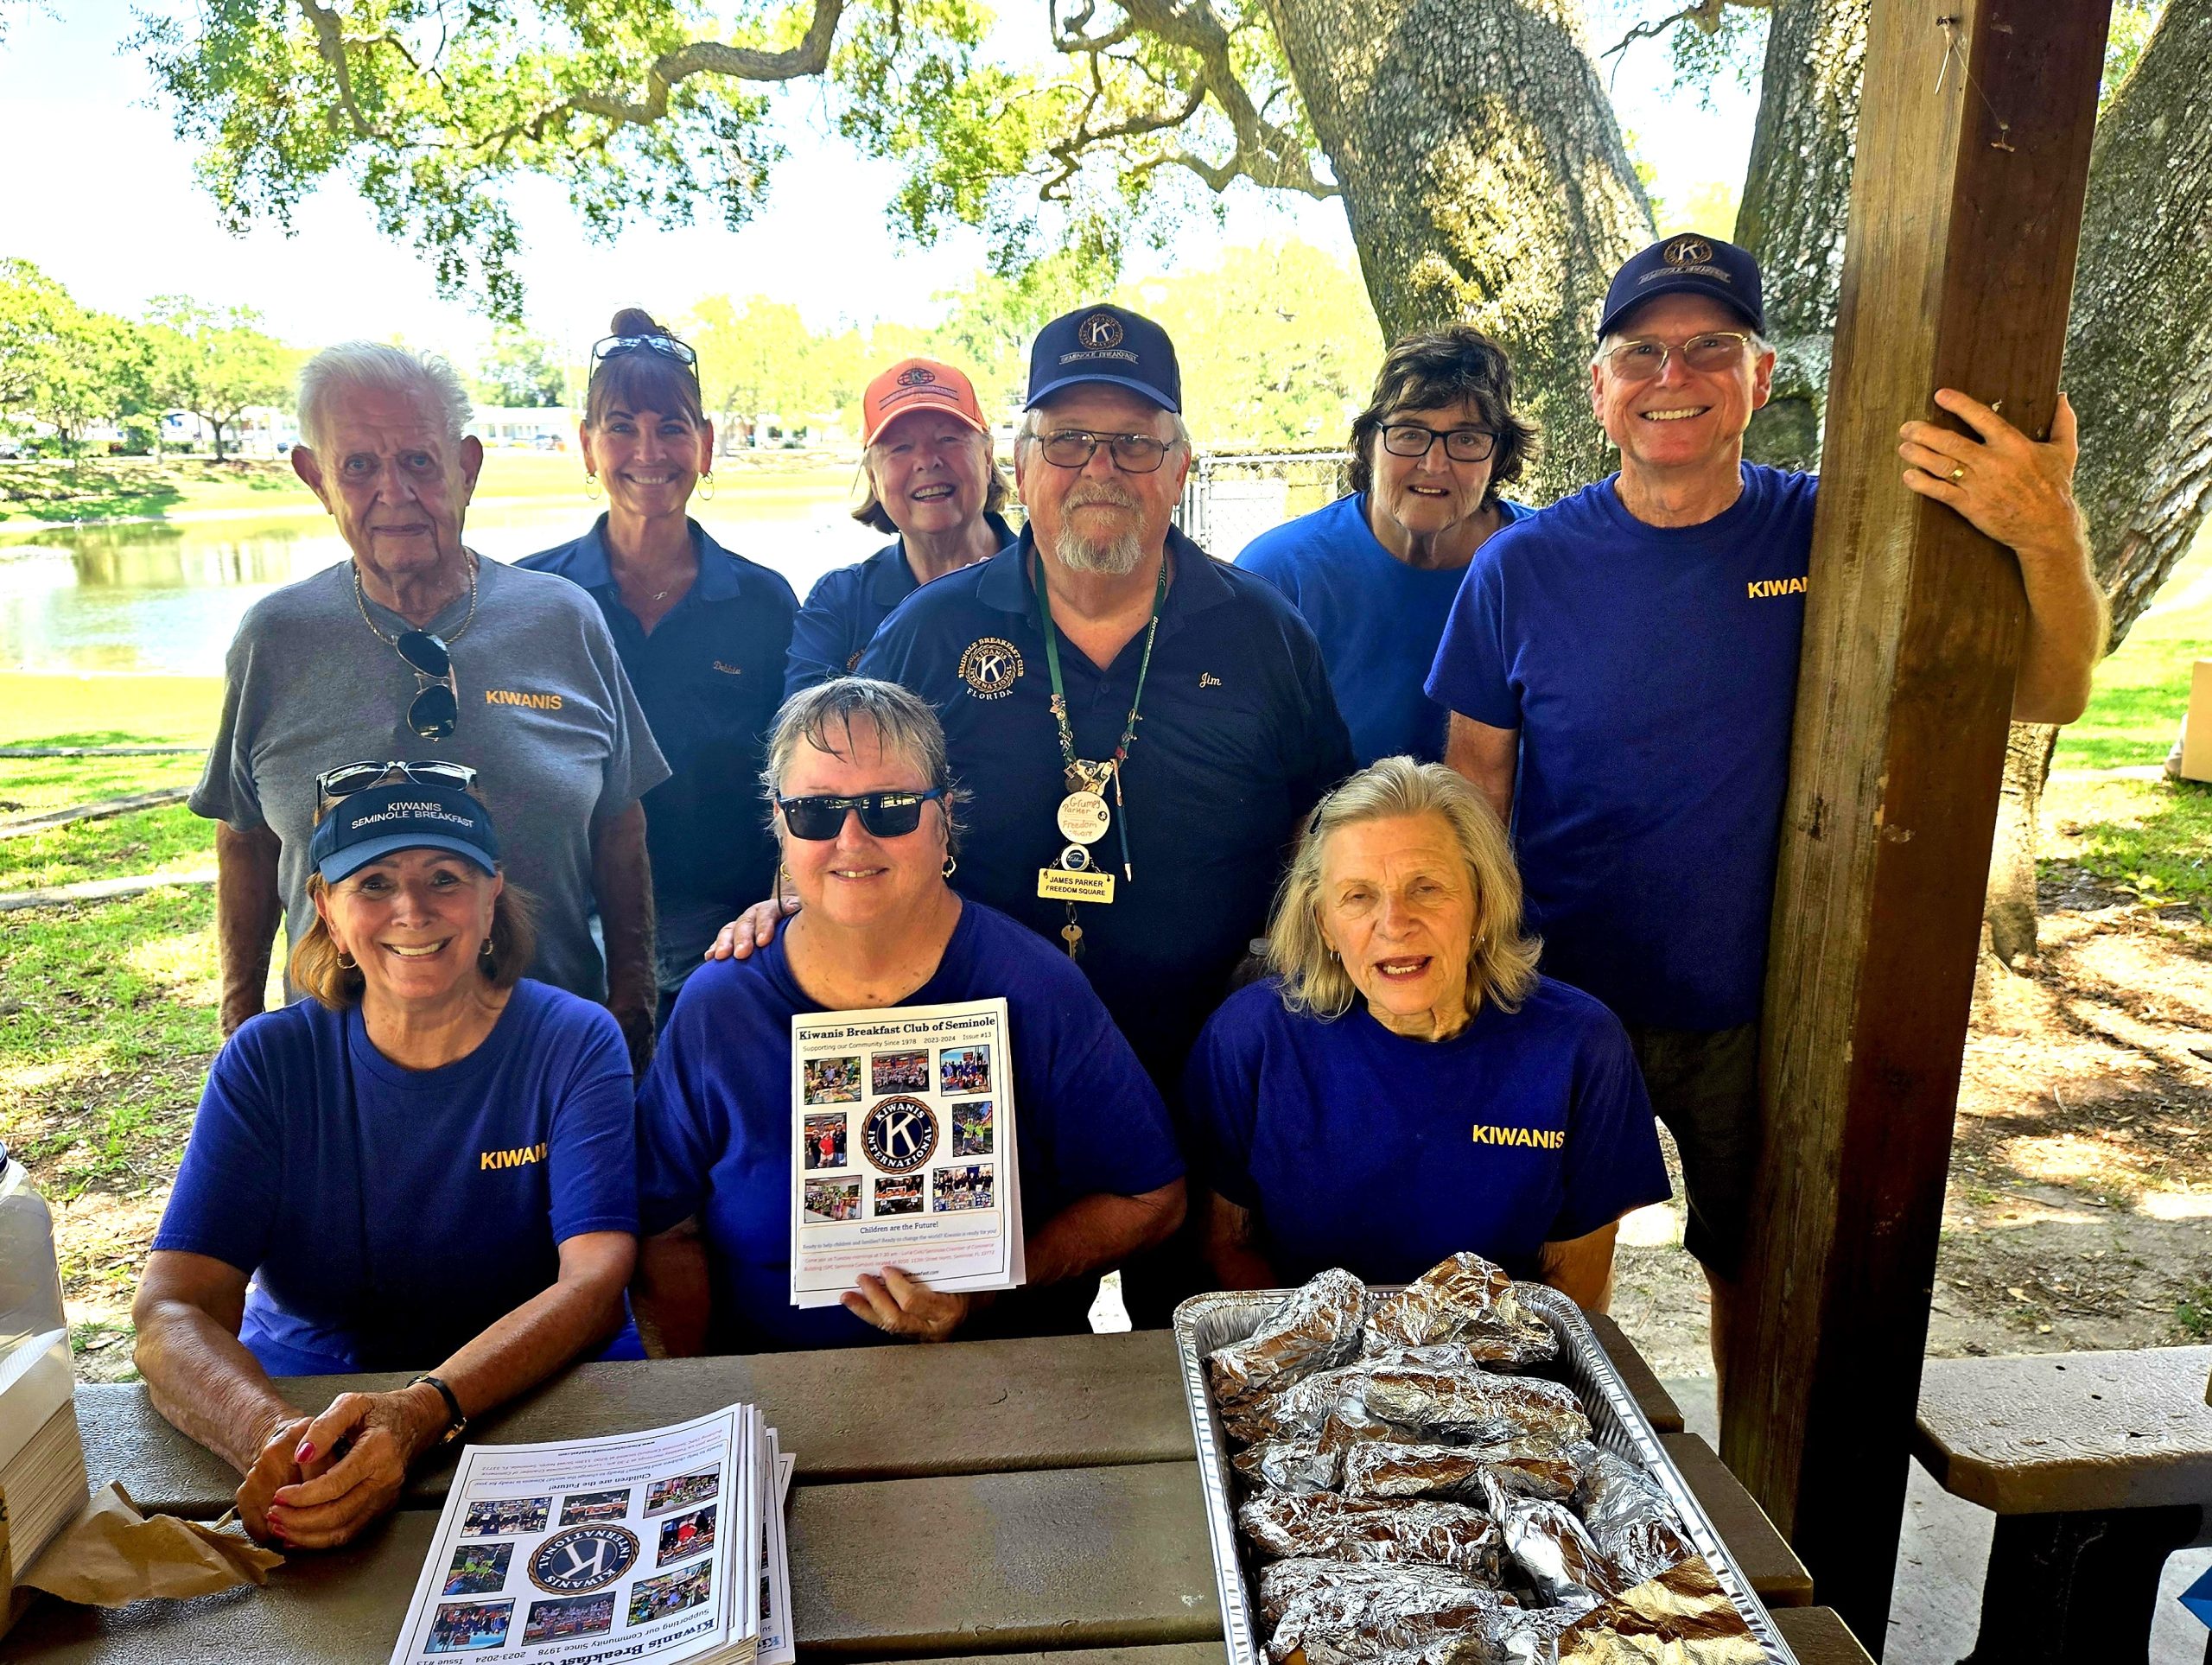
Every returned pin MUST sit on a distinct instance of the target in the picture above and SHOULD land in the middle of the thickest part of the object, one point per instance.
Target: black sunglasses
(347, 779)
(434, 709)
(884, 815)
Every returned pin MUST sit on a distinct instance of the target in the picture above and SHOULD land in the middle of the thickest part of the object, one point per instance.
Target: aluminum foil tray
(1206, 1322)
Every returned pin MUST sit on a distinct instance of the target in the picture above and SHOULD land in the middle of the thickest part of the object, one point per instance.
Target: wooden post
(1973, 150)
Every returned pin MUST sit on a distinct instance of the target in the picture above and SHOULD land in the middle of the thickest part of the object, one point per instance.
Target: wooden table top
(1055, 1475)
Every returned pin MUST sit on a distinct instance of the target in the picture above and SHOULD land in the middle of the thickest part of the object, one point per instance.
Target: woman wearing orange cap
(931, 478)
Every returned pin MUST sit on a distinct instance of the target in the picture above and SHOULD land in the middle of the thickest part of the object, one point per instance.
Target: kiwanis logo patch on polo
(583, 1558)
(899, 1135)
(990, 666)
(1548, 1139)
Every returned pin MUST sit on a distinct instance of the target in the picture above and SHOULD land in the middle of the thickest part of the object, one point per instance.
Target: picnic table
(1037, 1498)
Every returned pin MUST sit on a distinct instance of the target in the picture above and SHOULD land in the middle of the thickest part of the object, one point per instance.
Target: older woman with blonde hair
(1406, 1084)
(430, 1166)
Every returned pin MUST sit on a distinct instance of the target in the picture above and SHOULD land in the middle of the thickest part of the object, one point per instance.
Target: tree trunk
(1486, 182)
(1796, 201)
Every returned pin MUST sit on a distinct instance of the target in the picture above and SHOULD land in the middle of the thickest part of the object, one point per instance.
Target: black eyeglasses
(347, 779)
(667, 345)
(434, 709)
(884, 815)
(1410, 439)
(1133, 453)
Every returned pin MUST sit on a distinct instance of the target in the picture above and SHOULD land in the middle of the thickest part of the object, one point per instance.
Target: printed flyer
(904, 1149)
(632, 1547)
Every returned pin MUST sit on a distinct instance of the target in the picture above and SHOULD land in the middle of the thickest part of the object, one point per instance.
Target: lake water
(168, 598)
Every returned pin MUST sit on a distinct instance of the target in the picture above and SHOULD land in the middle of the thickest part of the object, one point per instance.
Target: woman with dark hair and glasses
(862, 806)
(1374, 572)
(703, 632)
(417, 647)
(428, 1167)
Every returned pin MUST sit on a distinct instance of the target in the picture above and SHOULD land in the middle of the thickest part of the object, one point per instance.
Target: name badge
(1061, 886)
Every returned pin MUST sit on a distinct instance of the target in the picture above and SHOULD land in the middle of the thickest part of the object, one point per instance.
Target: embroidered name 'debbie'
(511, 697)
(1548, 1139)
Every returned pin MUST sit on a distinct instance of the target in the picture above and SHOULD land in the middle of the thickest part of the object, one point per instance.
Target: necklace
(392, 642)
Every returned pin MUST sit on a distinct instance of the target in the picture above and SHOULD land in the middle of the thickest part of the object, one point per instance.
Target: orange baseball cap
(918, 385)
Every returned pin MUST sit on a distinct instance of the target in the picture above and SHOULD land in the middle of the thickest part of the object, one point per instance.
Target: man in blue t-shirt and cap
(1621, 671)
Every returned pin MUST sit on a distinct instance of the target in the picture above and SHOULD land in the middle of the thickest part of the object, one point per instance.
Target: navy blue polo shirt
(1239, 737)
(1379, 621)
(846, 606)
(1652, 673)
(710, 677)
(1362, 1149)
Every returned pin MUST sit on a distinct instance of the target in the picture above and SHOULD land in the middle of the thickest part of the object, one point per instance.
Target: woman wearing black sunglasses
(703, 632)
(861, 805)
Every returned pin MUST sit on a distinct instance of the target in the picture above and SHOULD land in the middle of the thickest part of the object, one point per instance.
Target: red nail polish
(304, 1454)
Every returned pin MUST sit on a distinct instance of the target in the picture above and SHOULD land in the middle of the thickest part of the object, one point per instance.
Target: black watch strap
(457, 1418)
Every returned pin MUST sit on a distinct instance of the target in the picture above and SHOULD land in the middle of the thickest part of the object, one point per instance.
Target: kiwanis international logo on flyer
(899, 1135)
(584, 1558)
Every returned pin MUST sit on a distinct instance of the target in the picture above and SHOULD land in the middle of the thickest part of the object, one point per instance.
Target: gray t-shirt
(547, 721)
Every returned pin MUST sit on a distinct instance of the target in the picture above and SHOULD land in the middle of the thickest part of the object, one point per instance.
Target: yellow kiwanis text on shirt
(1762, 587)
(1550, 1139)
(513, 1159)
(511, 696)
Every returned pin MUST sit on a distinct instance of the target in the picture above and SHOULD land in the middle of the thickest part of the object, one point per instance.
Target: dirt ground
(2079, 1212)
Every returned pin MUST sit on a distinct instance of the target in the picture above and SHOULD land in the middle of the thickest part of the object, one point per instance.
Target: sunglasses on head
(348, 779)
(433, 710)
(883, 814)
(667, 345)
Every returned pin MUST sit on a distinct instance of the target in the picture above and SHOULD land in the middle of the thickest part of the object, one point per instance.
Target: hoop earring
(591, 485)
(951, 866)
(707, 486)
(485, 952)
(347, 961)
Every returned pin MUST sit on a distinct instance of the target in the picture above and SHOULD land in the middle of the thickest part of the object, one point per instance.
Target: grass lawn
(38, 710)
(2143, 690)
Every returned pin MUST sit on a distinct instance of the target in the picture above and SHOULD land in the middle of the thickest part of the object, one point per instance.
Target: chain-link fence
(1232, 497)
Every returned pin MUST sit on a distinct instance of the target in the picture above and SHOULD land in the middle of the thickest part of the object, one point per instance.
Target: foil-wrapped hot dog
(1343, 1611)
(1317, 1329)
(1553, 1550)
(1292, 1466)
(1326, 1527)
(1466, 1299)
(1630, 1518)
(1447, 1406)
(1533, 1468)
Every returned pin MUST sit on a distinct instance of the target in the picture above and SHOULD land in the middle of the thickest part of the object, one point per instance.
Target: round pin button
(1083, 817)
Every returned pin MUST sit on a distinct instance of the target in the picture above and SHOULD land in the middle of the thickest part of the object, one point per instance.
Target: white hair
(372, 366)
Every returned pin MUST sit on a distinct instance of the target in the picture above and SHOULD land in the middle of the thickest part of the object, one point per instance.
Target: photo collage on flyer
(574, 1553)
(904, 1149)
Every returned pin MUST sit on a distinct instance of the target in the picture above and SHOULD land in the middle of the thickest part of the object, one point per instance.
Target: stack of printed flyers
(664, 1544)
(904, 1149)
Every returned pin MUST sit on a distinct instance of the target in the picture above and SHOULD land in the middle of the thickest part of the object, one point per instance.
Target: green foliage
(2133, 22)
(522, 371)
(993, 321)
(61, 364)
(2152, 837)
(758, 357)
(216, 362)
(2141, 691)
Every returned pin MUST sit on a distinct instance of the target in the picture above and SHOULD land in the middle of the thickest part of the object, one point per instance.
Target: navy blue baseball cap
(1689, 263)
(1105, 343)
(367, 825)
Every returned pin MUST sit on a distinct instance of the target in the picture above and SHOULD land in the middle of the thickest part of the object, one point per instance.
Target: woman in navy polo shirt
(428, 1167)
(862, 805)
(1405, 1085)
(701, 632)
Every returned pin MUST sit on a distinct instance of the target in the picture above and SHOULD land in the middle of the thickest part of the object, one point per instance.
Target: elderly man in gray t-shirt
(334, 670)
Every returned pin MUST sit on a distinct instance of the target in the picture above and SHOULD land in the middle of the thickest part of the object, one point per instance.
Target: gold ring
(1958, 474)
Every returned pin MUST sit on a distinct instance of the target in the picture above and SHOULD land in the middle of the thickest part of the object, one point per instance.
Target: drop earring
(707, 486)
(591, 485)
(951, 866)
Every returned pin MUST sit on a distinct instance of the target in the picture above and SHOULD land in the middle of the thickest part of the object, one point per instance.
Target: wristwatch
(457, 1418)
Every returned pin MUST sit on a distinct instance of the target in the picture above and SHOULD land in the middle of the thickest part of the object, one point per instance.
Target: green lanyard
(1060, 701)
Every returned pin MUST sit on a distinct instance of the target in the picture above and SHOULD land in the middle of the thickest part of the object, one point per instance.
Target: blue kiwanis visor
(370, 825)
(1689, 263)
(1105, 343)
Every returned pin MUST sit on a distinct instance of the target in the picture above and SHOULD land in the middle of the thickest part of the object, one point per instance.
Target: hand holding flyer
(904, 1150)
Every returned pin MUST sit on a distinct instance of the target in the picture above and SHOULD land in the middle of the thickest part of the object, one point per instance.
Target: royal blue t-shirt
(709, 677)
(1238, 736)
(846, 606)
(714, 1123)
(388, 1215)
(1361, 1149)
(1379, 621)
(1652, 673)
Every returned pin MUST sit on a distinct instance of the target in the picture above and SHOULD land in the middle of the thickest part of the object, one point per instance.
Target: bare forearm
(672, 1293)
(531, 1343)
(248, 906)
(205, 1383)
(1231, 1251)
(2069, 620)
(1582, 1269)
(1487, 757)
(1101, 1230)
(622, 885)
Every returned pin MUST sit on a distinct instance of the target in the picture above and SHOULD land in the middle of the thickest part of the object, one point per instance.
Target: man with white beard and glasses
(1141, 729)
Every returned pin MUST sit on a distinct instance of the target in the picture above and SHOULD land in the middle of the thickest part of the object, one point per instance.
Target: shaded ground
(2079, 1212)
